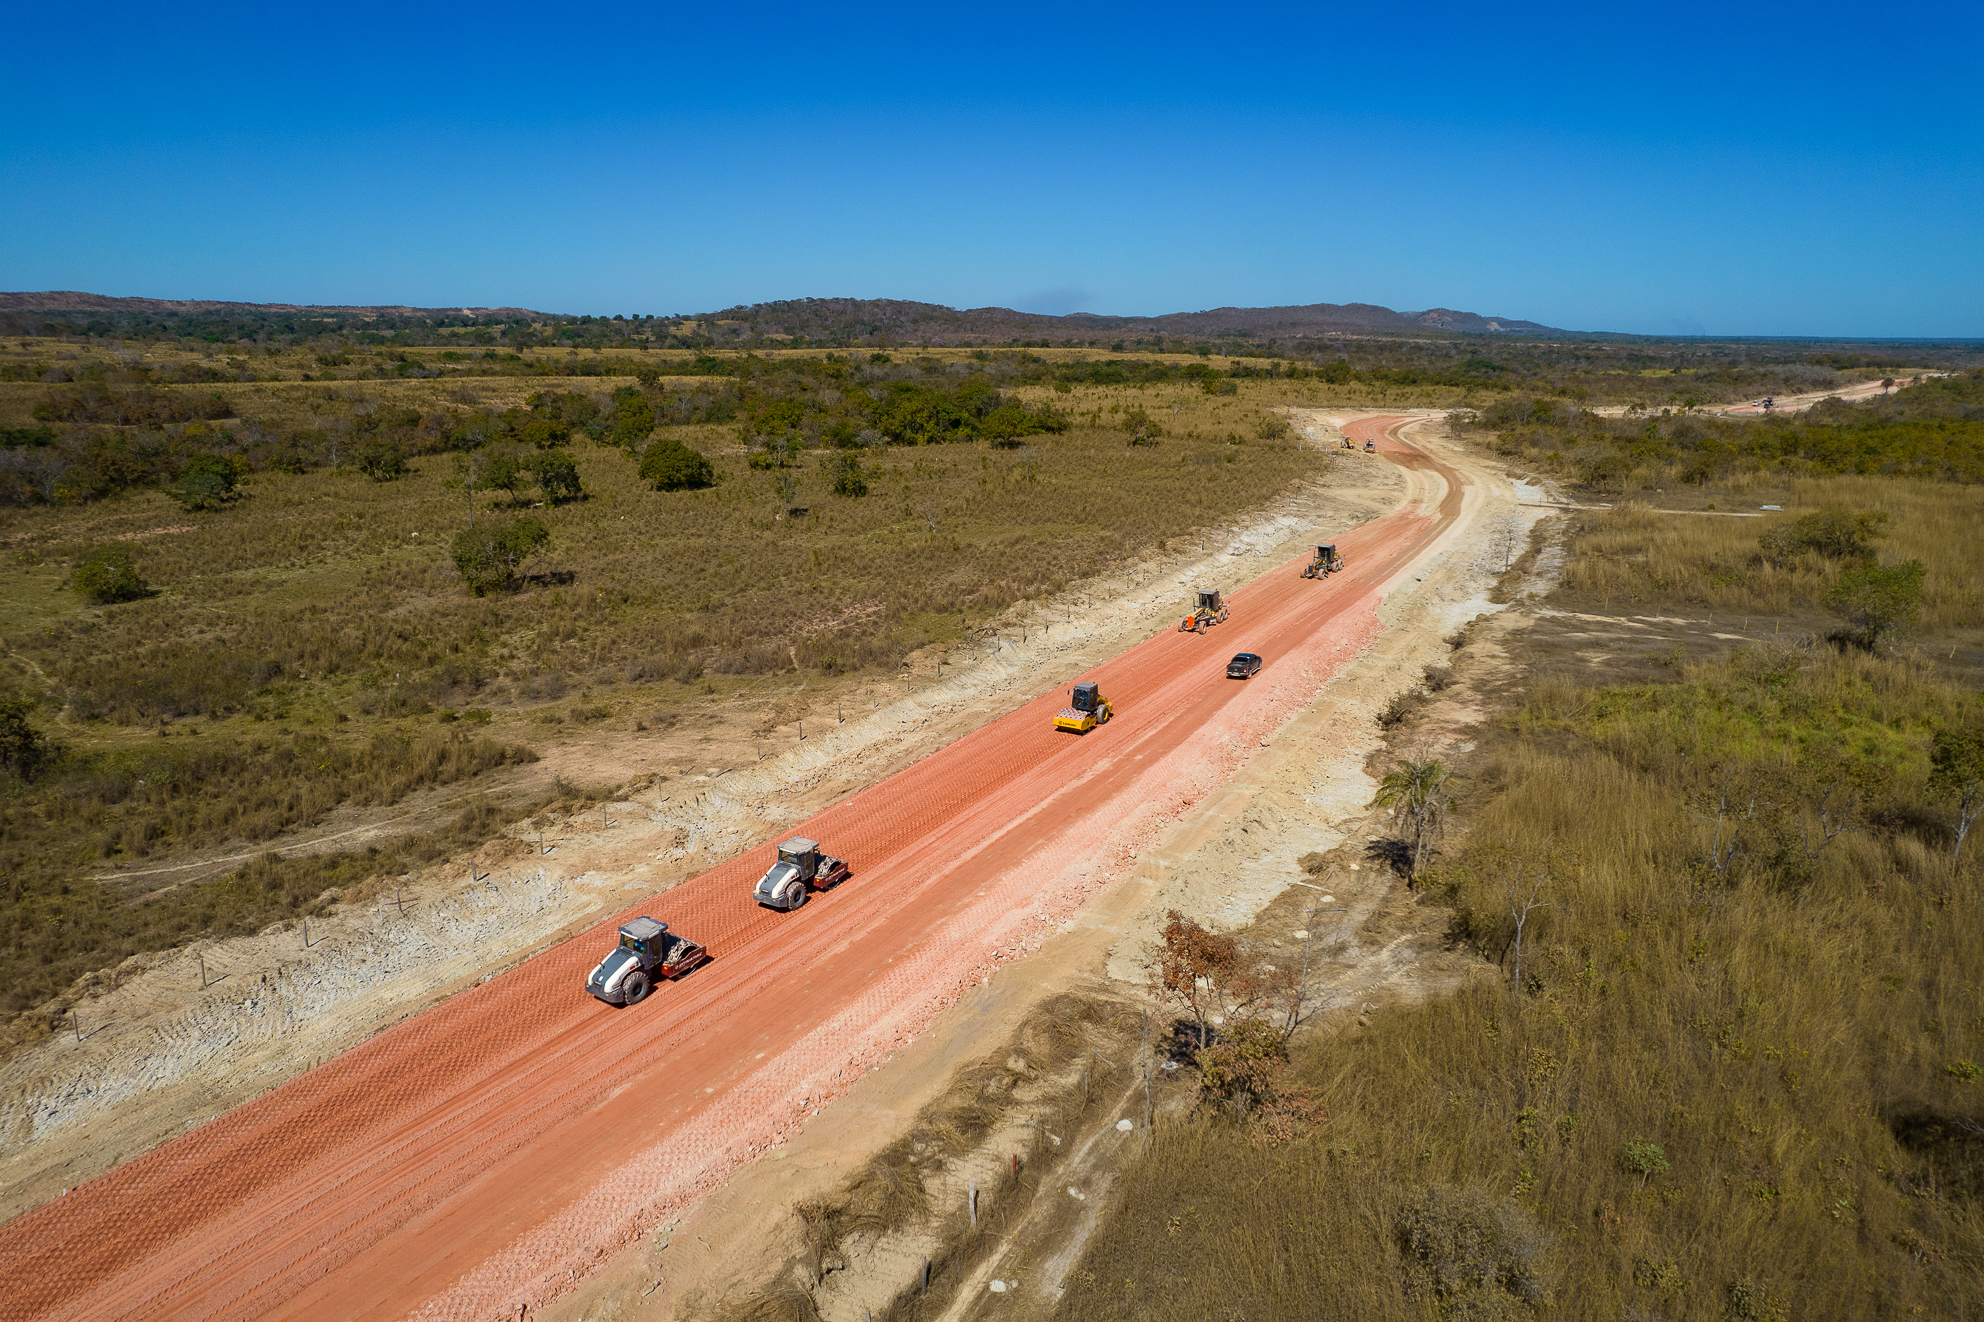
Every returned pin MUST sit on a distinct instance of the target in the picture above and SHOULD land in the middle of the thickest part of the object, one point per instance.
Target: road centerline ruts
(455, 1164)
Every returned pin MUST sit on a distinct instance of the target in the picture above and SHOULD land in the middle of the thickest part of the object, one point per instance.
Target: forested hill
(813, 320)
(857, 318)
(72, 302)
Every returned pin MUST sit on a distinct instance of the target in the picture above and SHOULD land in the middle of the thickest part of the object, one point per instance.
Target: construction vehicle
(1327, 561)
(1086, 709)
(799, 870)
(1371, 447)
(1211, 610)
(647, 953)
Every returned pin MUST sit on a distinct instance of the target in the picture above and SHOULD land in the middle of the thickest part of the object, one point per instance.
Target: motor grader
(1327, 561)
(1086, 709)
(1211, 610)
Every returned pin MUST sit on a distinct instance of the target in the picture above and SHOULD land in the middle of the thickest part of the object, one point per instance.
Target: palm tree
(1414, 788)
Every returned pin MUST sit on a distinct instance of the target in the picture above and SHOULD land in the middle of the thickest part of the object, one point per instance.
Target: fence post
(971, 1201)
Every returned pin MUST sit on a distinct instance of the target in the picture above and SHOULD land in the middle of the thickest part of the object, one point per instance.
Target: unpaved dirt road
(482, 1156)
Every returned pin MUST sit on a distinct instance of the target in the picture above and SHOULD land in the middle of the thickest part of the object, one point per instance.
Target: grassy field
(1634, 556)
(312, 644)
(1737, 1076)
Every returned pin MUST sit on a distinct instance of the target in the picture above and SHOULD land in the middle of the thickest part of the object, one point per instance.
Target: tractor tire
(635, 988)
(795, 897)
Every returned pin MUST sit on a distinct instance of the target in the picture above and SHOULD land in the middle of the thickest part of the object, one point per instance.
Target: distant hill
(816, 320)
(71, 301)
(856, 318)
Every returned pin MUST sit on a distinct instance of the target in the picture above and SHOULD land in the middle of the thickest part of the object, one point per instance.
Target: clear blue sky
(1772, 169)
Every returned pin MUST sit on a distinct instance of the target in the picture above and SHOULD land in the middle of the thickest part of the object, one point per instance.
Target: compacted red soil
(482, 1155)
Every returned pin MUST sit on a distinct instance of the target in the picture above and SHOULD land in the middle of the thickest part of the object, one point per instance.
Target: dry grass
(1793, 1032)
(1636, 556)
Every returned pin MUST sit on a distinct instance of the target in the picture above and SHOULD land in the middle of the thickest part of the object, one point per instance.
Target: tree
(490, 556)
(1191, 968)
(24, 752)
(1880, 602)
(471, 471)
(207, 482)
(1956, 768)
(506, 472)
(108, 575)
(1414, 789)
(1520, 908)
(673, 466)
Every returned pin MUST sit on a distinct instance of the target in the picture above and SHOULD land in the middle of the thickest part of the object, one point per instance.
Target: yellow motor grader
(1327, 561)
(1211, 610)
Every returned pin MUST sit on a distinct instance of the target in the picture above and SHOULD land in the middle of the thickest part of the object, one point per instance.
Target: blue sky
(1763, 169)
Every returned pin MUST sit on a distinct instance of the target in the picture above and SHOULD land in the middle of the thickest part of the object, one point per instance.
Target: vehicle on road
(647, 953)
(1370, 447)
(799, 870)
(1211, 610)
(1244, 666)
(1327, 561)
(1086, 709)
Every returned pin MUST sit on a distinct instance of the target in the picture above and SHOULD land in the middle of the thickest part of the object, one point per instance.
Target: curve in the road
(448, 1166)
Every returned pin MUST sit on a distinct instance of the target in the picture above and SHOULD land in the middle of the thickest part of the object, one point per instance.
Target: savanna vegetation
(236, 645)
(1933, 430)
(1724, 1056)
(1725, 1065)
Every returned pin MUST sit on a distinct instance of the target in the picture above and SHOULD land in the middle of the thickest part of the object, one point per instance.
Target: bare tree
(1957, 769)
(471, 466)
(1520, 908)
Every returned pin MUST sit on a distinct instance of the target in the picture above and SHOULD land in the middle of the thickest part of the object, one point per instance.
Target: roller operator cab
(799, 869)
(647, 953)
(1086, 709)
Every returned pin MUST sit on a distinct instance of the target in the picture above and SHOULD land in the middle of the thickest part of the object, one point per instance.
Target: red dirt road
(484, 1154)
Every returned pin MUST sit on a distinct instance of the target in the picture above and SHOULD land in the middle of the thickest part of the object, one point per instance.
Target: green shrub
(672, 466)
(489, 556)
(1880, 602)
(207, 482)
(382, 460)
(24, 752)
(109, 574)
(848, 479)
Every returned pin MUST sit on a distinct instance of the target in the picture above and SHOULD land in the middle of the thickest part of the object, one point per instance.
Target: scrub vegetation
(202, 678)
(1728, 1065)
